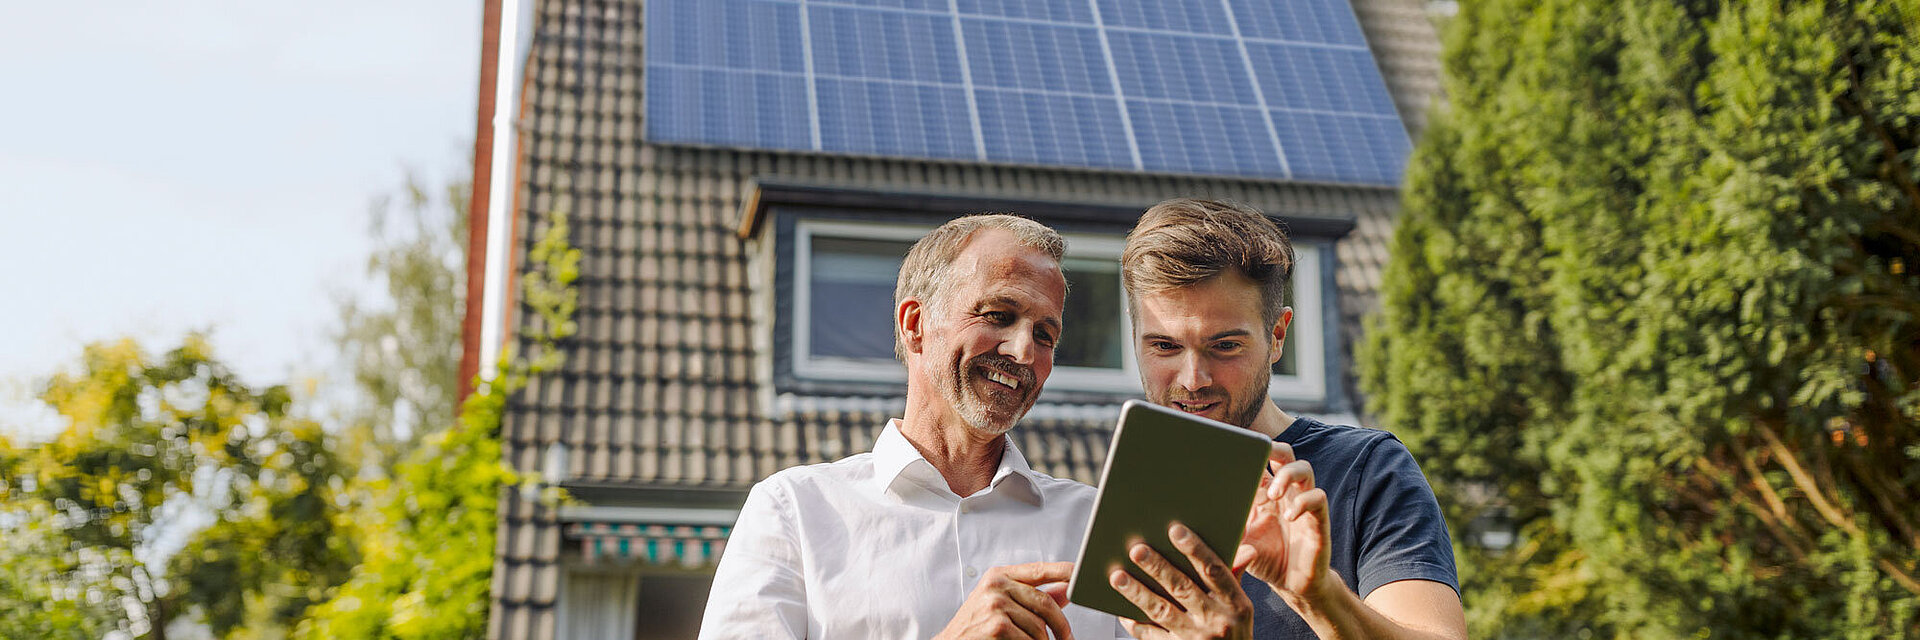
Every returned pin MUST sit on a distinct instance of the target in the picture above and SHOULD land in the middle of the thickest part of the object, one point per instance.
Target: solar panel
(1283, 89)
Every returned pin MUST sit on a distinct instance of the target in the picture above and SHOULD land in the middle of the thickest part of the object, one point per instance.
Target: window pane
(851, 289)
(1094, 326)
(670, 606)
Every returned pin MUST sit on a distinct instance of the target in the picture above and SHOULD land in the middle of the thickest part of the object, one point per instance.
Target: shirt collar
(893, 455)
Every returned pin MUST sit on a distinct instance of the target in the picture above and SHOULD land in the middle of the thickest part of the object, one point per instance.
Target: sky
(208, 165)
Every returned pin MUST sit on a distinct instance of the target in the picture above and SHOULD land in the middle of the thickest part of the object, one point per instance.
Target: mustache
(1203, 397)
(1007, 366)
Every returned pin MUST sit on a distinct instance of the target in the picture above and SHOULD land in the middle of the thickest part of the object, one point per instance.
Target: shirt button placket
(965, 546)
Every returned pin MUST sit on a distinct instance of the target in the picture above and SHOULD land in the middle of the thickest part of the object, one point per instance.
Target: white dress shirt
(877, 546)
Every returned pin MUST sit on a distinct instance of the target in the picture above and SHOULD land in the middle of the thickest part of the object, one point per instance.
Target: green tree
(147, 441)
(32, 604)
(428, 533)
(1651, 299)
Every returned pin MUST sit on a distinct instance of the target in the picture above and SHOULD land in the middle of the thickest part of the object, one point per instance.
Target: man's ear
(907, 319)
(1279, 334)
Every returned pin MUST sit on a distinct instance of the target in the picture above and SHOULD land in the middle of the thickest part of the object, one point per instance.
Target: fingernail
(1137, 552)
(1119, 579)
(1178, 532)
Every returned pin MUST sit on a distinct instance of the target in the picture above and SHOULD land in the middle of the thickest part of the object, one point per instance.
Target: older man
(1348, 541)
(943, 529)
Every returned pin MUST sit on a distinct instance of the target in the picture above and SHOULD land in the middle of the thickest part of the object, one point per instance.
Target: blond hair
(1185, 241)
(923, 274)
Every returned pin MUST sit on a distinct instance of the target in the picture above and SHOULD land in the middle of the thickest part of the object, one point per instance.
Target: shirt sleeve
(758, 589)
(1403, 535)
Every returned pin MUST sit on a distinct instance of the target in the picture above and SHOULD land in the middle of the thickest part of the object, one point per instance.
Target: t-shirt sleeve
(758, 589)
(1403, 535)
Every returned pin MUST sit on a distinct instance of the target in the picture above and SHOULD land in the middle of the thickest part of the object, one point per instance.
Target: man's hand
(1215, 608)
(1008, 603)
(1288, 538)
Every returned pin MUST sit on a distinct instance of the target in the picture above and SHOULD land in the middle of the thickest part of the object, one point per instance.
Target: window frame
(800, 340)
(1308, 328)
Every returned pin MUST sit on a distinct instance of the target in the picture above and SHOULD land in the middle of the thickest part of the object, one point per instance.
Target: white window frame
(1308, 326)
(1308, 330)
(805, 365)
(1125, 379)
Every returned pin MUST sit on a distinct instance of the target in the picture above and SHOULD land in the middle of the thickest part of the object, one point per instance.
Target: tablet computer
(1165, 466)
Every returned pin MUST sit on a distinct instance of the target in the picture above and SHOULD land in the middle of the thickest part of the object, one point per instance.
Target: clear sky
(201, 164)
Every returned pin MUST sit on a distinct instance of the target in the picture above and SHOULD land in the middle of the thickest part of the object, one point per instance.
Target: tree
(428, 533)
(32, 605)
(1652, 299)
(404, 347)
(147, 441)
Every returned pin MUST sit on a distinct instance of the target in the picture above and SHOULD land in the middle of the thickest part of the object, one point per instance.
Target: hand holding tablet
(1164, 467)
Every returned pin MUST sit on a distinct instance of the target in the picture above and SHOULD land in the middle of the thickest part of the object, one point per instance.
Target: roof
(662, 386)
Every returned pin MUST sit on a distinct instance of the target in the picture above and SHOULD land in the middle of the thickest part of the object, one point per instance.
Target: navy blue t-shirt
(1386, 523)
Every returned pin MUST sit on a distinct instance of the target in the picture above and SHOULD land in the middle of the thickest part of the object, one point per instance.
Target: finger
(1280, 454)
(1030, 624)
(1185, 593)
(1056, 590)
(1313, 502)
(1158, 609)
(1034, 574)
(1243, 557)
(1145, 631)
(1298, 473)
(1214, 574)
(1045, 610)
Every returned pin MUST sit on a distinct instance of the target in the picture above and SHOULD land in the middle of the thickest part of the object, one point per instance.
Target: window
(844, 274)
(624, 601)
(1301, 371)
(842, 314)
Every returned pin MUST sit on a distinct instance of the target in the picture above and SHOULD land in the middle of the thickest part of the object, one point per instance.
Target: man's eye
(1043, 338)
(1162, 345)
(998, 317)
(1227, 346)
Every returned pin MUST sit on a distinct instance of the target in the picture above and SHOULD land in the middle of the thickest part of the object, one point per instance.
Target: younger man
(1349, 541)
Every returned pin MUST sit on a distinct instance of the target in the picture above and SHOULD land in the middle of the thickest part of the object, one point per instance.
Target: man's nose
(1193, 374)
(1020, 346)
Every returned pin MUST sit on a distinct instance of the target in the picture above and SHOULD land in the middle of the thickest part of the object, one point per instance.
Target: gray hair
(923, 275)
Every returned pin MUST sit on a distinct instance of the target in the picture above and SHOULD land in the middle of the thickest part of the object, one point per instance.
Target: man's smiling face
(1204, 349)
(989, 340)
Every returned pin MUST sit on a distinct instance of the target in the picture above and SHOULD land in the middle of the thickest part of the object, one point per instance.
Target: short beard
(1243, 417)
(977, 411)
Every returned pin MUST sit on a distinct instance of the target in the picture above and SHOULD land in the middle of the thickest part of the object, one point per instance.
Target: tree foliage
(429, 535)
(403, 347)
(1652, 297)
(149, 441)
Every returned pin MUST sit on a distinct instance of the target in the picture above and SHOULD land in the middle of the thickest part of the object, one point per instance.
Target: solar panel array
(1283, 89)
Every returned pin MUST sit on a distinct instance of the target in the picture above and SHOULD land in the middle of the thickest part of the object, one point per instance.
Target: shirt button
(966, 507)
(971, 572)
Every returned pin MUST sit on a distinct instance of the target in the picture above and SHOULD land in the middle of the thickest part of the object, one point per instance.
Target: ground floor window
(598, 603)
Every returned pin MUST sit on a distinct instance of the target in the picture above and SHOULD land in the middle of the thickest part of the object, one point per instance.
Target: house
(742, 176)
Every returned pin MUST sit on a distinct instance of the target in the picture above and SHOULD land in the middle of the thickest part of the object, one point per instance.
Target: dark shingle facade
(666, 398)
